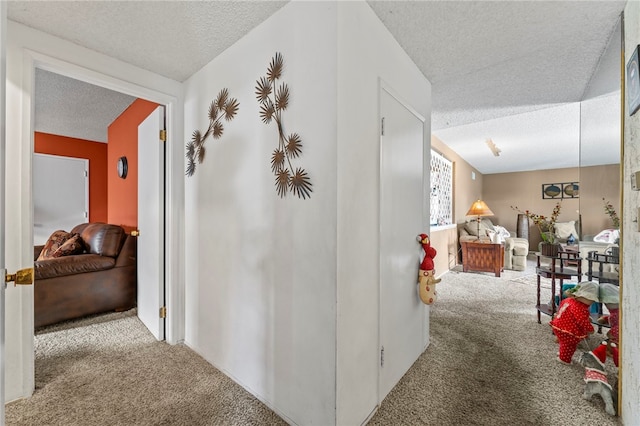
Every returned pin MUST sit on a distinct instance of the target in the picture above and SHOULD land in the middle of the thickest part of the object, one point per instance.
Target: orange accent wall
(122, 136)
(95, 152)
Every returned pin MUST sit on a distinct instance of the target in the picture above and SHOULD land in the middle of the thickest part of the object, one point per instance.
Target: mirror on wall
(600, 166)
(599, 163)
(600, 153)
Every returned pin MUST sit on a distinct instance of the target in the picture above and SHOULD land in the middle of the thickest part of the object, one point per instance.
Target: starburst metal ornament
(274, 99)
(223, 107)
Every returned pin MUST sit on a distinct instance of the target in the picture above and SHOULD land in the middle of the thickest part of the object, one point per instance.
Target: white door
(401, 220)
(59, 203)
(151, 222)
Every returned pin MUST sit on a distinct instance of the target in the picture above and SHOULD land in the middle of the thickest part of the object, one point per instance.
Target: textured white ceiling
(486, 60)
(171, 38)
(76, 109)
(550, 138)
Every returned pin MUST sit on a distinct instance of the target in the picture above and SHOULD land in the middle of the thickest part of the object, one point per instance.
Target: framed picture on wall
(633, 82)
(561, 190)
(551, 190)
(570, 190)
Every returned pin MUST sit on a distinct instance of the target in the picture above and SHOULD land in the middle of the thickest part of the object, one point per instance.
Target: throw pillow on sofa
(485, 224)
(54, 242)
(565, 229)
(73, 245)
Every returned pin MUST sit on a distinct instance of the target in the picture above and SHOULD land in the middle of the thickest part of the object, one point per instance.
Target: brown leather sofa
(102, 279)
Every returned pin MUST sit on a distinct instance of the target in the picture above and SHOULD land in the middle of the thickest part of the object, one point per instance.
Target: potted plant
(545, 225)
(611, 212)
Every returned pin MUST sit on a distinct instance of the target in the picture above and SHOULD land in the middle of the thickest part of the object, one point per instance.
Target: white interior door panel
(151, 223)
(401, 202)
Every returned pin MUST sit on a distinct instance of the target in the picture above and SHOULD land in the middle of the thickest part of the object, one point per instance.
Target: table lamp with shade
(479, 209)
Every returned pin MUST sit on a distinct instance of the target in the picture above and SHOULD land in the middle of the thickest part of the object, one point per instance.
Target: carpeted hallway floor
(109, 370)
(489, 363)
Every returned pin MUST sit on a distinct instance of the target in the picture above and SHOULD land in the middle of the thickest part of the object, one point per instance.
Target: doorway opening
(107, 175)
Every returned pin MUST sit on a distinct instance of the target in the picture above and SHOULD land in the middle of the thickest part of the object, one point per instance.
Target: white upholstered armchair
(515, 253)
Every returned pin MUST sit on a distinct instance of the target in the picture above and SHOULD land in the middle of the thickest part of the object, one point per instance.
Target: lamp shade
(479, 208)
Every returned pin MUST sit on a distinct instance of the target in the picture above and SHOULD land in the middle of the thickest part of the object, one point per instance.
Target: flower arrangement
(611, 212)
(544, 224)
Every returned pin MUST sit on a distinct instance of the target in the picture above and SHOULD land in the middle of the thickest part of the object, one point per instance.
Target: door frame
(3, 98)
(174, 188)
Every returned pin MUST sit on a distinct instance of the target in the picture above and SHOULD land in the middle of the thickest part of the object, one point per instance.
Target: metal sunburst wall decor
(273, 100)
(222, 107)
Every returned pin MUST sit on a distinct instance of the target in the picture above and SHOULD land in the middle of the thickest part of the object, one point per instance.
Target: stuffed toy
(596, 383)
(572, 322)
(426, 276)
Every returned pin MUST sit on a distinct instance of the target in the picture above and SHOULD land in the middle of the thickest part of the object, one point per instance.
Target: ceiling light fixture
(492, 146)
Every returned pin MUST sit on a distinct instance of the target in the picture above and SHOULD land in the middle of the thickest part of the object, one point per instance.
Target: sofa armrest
(36, 252)
(519, 246)
(129, 252)
(508, 244)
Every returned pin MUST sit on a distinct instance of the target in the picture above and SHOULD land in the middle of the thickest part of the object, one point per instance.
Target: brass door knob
(22, 277)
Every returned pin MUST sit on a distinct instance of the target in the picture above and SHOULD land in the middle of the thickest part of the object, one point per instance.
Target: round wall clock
(123, 167)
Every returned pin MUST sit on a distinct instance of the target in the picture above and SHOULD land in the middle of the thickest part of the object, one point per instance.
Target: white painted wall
(630, 324)
(261, 270)
(366, 53)
(267, 277)
(27, 48)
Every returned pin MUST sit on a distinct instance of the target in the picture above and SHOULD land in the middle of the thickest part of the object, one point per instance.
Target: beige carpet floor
(109, 370)
(488, 363)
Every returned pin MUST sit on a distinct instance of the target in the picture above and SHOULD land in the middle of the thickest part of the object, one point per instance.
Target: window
(441, 190)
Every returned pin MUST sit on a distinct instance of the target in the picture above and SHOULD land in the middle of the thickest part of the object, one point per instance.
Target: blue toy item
(571, 240)
(565, 287)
